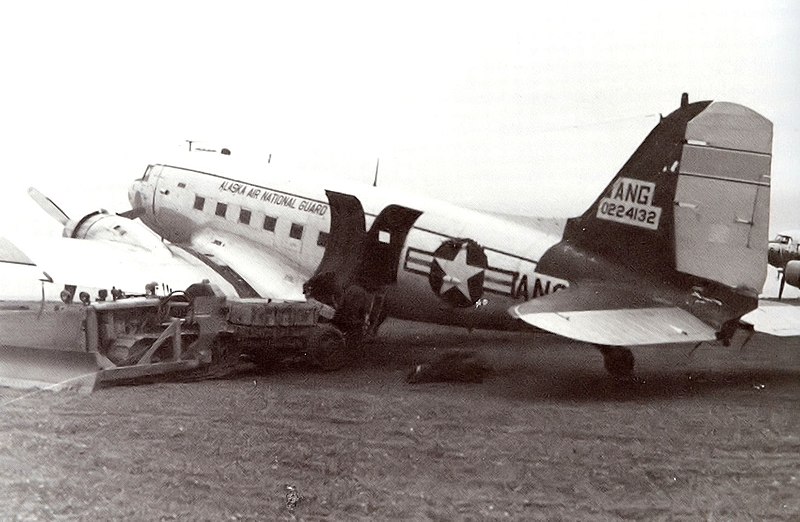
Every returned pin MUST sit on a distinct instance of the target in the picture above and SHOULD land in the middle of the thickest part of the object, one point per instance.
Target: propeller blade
(48, 206)
(783, 283)
(132, 213)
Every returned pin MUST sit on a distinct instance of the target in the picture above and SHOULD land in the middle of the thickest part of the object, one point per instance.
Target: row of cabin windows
(296, 232)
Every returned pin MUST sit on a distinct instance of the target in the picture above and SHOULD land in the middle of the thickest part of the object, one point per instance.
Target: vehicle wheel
(327, 349)
(618, 361)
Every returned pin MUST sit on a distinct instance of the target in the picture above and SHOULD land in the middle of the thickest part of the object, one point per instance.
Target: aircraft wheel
(372, 331)
(351, 316)
(327, 347)
(618, 361)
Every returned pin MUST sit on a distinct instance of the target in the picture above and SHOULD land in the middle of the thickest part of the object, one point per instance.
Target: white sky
(510, 106)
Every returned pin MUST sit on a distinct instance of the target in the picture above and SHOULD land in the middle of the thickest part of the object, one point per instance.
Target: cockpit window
(783, 240)
(147, 173)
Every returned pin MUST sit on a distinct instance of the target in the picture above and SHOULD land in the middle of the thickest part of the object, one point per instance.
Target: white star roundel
(457, 272)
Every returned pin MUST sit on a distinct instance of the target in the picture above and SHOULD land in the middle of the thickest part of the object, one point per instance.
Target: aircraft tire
(350, 317)
(327, 347)
(618, 361)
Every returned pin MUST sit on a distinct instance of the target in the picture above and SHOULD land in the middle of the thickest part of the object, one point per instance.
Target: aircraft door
(383, 246)
(343, 251)
(357, 257)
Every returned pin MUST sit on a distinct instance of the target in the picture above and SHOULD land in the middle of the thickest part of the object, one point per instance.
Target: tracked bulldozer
(85, 346)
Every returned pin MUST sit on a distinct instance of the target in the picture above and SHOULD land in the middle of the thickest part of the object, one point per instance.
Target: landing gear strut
(618, 361)
(351, 316)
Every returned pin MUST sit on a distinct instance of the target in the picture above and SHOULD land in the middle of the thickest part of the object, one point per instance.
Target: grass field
(547, 436)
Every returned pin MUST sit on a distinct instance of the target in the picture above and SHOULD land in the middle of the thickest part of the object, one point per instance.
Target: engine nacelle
(791, 273)
(111, 227)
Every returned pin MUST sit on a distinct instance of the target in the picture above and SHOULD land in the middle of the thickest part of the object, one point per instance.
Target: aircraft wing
(9, 253)
(598, 313)
(253, 270)
(779, 318)
(94, 264)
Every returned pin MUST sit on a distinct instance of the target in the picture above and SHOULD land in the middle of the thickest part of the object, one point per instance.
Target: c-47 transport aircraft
(674, 250)
(781, 316)
(784, 254)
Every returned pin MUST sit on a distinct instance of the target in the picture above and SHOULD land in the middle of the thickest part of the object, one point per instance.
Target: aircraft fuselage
(484, 263)
(784, 248)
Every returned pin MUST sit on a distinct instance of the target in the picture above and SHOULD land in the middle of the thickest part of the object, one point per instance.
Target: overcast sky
(502, 105)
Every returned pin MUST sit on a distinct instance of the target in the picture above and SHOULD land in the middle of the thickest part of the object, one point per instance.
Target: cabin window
(296, 232)
(244, 216)
(322, 239)
(199, 202)
(181, 185)
(269, 223)
(222, 208)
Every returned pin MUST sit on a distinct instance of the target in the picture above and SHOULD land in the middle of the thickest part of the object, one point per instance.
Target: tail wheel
(618, 361)
(327, 348)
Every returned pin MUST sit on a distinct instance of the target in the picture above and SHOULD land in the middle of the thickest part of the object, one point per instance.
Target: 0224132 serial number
(629, 213)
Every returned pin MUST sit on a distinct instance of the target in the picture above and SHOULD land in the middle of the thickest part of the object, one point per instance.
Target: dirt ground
(714, 436)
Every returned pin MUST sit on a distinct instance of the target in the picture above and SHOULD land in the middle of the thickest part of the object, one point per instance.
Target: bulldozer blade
(23, 367)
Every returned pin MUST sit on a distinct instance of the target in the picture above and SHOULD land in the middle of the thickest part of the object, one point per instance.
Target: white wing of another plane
(9, 253)
(94, 264)
(779, 318)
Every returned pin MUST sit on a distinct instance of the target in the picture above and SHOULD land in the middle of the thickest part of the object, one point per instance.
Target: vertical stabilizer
(675, 248)
(693, 200)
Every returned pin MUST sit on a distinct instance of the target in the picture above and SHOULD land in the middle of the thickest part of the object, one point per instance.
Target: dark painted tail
(693, 200)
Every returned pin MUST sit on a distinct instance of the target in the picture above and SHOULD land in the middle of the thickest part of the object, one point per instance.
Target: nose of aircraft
(774, 254)
(136, 196)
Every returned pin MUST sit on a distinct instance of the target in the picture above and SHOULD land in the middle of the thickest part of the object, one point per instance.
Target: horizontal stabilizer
(779, 318)
(594, 314)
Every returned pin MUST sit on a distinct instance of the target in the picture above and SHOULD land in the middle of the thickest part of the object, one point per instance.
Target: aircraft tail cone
(24, 367)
